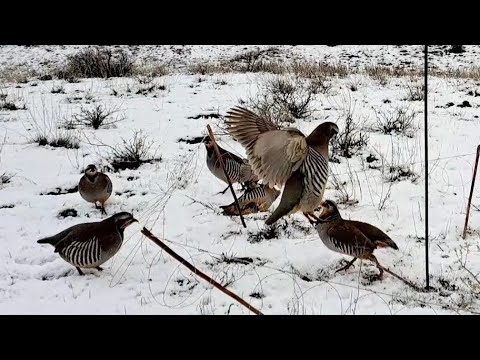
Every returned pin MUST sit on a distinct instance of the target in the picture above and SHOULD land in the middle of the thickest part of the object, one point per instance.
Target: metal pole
(471, 192)
(427, 275)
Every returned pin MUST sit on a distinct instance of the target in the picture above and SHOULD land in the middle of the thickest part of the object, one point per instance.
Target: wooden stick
(409, 283)
(215, 146)
(471, 192)
(198, 272)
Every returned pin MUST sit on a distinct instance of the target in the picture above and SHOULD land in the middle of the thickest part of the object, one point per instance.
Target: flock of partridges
(276, 157)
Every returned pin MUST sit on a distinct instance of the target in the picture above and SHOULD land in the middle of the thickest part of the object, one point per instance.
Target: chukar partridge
(253, 200)
(237, 168)
(89, 245)
(285, 156)
(350, 237)
(95, 186)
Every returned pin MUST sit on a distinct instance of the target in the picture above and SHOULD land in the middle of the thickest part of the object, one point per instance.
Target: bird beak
(334, 133)
(130, 222)
(323, 207)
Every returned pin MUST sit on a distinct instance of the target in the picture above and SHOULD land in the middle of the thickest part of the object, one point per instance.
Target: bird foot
(101, 208)
(349, 265)
(222, 192)
(380, 275)
(346, 267)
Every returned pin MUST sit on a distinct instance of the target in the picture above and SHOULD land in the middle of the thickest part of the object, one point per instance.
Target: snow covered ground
(292, 273)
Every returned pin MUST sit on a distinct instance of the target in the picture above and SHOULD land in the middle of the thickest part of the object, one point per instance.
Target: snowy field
(166, 104)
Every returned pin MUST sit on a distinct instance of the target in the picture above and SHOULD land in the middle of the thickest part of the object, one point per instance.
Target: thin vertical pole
(471, 192)
(427, 275)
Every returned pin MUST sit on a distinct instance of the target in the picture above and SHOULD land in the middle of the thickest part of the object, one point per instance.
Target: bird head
(329, 210)
(123, 219)
(323, 133)
(91, 170)
(208, 142)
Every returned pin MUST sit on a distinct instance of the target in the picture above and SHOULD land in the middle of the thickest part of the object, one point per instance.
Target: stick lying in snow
(471, 193)
(214, 142)
(198, 272)
(409, 283)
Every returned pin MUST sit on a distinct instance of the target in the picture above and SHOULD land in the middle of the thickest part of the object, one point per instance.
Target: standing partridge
(285, 156)
(349, 237)
(237, 168)
(89, 245)
(95, 186)
(253, 200)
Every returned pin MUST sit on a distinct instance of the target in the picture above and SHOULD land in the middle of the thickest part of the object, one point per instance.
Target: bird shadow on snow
(61, 272)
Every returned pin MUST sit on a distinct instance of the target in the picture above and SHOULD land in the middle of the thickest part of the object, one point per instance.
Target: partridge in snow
(285, 156)
(95, 186)
(89, 245)
(237, 168)
(349, 237)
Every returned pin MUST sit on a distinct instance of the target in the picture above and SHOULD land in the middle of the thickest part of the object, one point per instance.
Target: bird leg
(223, 192)
(79, 271)
(346, 267)
(101, 207)
(99, 268)
(379, 267)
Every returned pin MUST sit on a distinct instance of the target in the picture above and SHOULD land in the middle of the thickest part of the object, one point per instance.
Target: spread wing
(273, 153)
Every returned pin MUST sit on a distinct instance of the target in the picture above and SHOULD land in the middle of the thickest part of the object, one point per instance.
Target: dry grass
(415, 90)
(97, 62)
(209, 68)
(133, 152)
(351, 139)
(317, 72)
(379, 72)
(348, 189)
(63, 139)
(44, 126)
(284, 99)
(98, 116)
(470, 73)
(17, 74)
(313, 70)
(258, 60)
(398, 120)
(151, 70)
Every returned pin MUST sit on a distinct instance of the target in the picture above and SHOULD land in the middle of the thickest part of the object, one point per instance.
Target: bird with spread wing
(285, 157)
